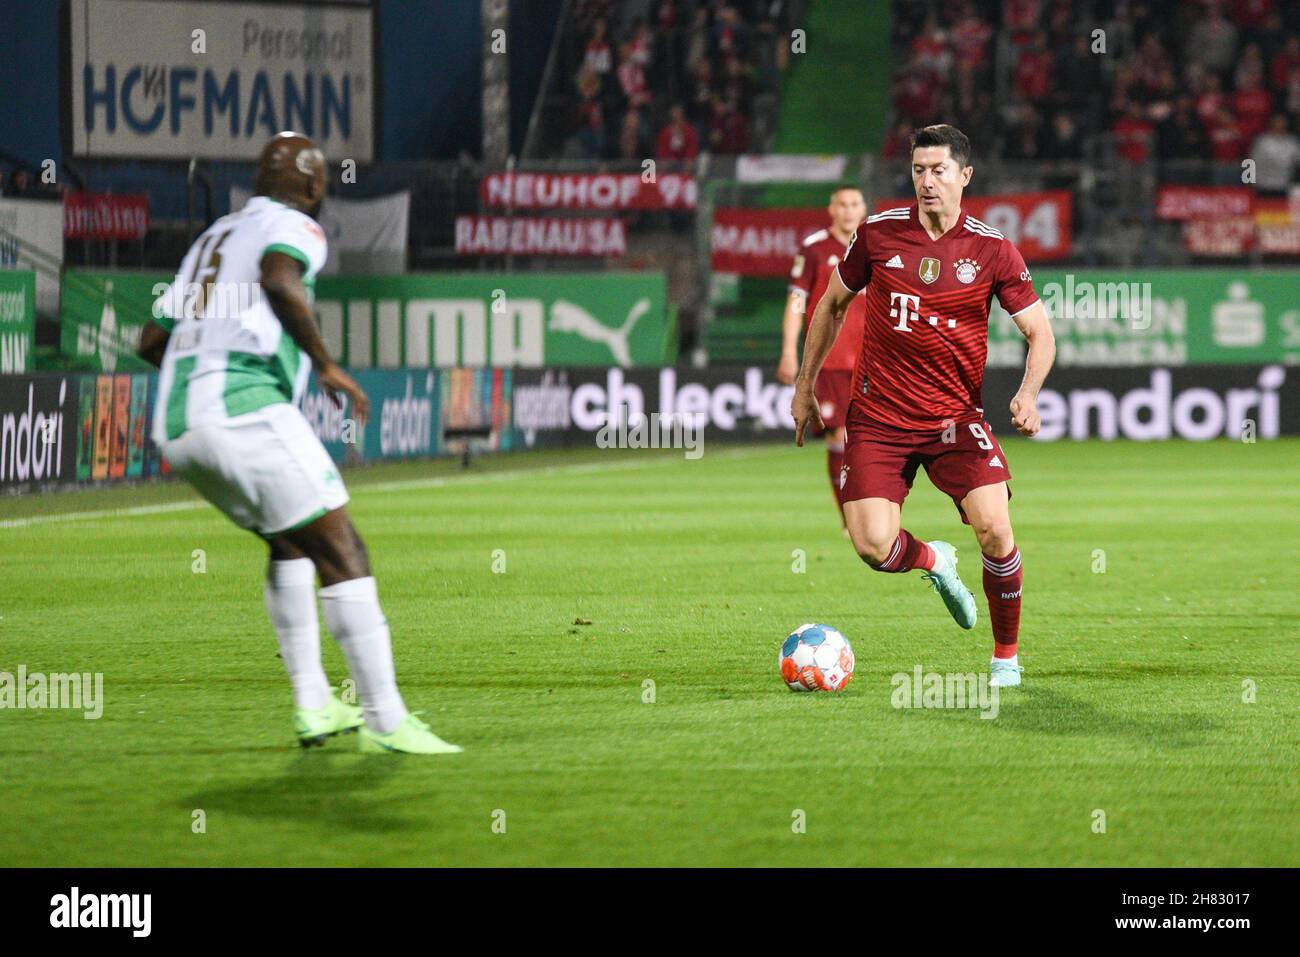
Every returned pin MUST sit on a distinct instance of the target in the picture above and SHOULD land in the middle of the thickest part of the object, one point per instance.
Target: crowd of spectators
(21, 183)
(1168, 81)
(682, 80)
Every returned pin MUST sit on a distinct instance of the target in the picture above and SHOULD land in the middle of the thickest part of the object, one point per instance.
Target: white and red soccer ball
(816, 658)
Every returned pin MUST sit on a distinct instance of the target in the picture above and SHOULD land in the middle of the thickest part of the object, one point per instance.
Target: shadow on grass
(333, 791)
(1044, 711)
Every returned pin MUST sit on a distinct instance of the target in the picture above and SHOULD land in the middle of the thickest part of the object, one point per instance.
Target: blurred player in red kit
(814, 264)
(930, 272)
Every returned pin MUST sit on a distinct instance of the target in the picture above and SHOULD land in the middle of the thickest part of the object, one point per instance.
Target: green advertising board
(500, 320)
(17, 320)
(416, 321)
(102, 314)
(1161, 317)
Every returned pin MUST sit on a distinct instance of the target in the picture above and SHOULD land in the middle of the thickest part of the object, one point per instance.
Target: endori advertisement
(1161, 317)
(17, 320)
(82, 427)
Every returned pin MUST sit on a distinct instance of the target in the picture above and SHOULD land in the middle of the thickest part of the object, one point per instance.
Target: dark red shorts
(834, 390)
(880, 461)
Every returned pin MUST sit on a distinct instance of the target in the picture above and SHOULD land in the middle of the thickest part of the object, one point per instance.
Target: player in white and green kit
(235, 340)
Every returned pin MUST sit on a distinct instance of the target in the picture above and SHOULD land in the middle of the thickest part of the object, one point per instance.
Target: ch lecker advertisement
(214, 80)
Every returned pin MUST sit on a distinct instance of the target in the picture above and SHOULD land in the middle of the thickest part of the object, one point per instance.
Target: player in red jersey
(814, 264)
(930, 272)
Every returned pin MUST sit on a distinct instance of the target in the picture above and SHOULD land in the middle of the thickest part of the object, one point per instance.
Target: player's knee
(873, 548)
(995, 538)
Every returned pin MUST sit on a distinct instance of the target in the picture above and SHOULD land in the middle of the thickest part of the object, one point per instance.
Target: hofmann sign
(215, 80)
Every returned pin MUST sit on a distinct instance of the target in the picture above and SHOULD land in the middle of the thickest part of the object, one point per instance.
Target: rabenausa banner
(214, 80)
(1160, 317)
(494, 320)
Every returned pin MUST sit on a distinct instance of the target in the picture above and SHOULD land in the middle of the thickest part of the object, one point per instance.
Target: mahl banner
(365, 235)
(215, 80)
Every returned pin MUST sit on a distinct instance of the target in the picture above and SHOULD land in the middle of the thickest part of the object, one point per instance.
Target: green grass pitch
(1132, 705)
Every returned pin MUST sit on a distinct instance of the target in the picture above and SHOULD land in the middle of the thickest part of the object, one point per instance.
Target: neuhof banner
(215, 80)
(1161, 317)
(494, 320)
(17, 320)
(1039, 224)
(761, 242)
(601, 191)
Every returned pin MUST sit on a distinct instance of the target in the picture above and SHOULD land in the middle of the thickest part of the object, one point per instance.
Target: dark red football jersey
(925, 339)
(817, 258)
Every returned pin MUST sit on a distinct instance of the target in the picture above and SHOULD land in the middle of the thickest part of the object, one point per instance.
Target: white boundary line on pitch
(398, 485)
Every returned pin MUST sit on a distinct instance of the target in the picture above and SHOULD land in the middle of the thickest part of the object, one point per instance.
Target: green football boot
(316, 726)
(946, 581)
(412, 736)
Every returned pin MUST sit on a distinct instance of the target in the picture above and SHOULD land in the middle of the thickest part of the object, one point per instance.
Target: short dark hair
(943, 134)
(843, 186)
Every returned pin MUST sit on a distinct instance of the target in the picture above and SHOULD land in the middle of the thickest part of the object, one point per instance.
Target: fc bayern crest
(967, 270)
(928, 270)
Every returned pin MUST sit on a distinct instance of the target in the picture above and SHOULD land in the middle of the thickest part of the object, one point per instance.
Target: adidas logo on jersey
(995, 463)
(895, 263)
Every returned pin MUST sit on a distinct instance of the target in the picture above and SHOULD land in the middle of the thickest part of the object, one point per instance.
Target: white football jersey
(228, 354)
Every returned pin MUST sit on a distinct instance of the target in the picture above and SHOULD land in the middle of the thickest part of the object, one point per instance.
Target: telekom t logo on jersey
(906, 308)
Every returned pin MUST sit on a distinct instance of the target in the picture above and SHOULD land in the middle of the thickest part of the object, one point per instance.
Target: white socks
(291, 601)
(355, 620)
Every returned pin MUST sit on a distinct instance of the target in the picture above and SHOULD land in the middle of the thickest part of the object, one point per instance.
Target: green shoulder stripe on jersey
(176, 396)
(288, 250)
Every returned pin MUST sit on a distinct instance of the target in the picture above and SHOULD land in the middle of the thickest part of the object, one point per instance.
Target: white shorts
(265, 470)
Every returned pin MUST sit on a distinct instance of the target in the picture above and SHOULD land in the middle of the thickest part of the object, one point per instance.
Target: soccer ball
(816, 658)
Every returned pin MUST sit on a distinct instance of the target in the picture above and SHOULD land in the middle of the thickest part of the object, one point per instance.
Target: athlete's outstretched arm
(153, 343)
(827, 319)
(1037, 330)
(285, 293)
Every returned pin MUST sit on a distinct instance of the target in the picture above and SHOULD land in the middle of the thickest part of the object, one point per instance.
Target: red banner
(761, 242)
(1203, 202)
(498, 235)
(105, 216)
(1278, 227)
(1038, 224)
(607, 191)
(1271, 228)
